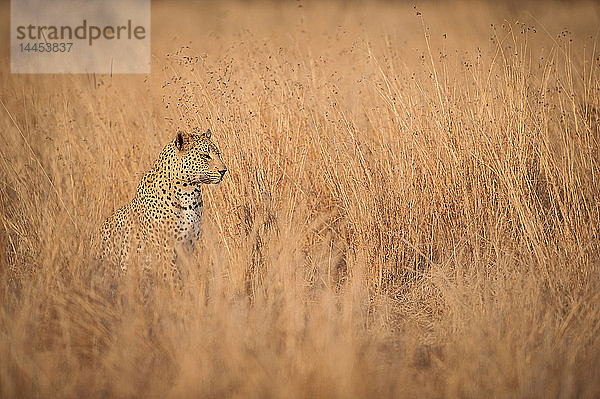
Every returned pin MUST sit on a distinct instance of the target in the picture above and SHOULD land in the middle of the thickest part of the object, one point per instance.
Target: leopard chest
(187, 226)
(188, 214)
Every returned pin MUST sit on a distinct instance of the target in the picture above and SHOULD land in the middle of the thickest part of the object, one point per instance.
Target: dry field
(411, 209)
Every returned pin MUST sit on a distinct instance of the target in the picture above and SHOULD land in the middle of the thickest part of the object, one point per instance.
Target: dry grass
(411, 211)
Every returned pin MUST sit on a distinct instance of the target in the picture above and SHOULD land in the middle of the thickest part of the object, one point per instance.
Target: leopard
(164, 216)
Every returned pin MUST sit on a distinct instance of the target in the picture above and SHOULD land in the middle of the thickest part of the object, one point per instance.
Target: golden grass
(411, 209)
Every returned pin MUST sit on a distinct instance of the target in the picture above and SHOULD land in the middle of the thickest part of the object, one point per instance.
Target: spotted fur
(164, 215)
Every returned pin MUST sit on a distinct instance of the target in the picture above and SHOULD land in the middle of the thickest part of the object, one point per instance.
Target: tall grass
(411, 209)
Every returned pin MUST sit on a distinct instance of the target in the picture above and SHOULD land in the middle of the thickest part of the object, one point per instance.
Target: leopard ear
(206, 134)
(180, 141)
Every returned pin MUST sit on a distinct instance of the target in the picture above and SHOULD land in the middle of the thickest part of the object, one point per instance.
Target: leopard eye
(205, 156)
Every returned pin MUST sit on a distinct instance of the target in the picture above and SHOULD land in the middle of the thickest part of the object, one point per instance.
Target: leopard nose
(222, 172)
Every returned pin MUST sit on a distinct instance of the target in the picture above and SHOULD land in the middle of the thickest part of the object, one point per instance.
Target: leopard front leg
(125, 255)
